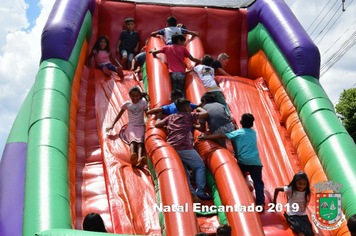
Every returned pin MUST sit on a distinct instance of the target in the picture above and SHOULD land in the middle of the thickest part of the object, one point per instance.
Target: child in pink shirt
(134, 133)
(102, 55)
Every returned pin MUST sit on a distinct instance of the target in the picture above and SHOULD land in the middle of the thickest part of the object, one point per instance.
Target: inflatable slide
(60, 164)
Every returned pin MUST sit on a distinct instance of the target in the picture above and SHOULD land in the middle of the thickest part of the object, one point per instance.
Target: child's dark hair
(128, 20)
(351, 224)
(171, 21)
(96, 46)
(181, 103)
(175, 94)
(202, 234)
(177, 36)
(208, 97)
(223, 230)
(247, 120)
(181, 25)
(293, 184)
(207, 60)
(93, 222)
(138, 89)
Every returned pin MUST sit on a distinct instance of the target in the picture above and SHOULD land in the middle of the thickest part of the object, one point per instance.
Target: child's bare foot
(107, 71)
(133, 159)
(262, 207)
(142, 162)
(196, 199)
(120, 72)
(115, 76)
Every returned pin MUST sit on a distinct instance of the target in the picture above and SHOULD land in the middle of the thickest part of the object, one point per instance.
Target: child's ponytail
(145, 96)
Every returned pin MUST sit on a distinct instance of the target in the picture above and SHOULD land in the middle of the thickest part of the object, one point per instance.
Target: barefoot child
(102, 55)
(134, 133)
(298, 191)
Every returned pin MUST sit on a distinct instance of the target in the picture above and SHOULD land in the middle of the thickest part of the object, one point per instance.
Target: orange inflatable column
(158, 80)
(230, 181)
(196, 49)
(172, 181)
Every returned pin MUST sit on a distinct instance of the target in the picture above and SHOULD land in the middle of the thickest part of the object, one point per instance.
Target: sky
(22, 21)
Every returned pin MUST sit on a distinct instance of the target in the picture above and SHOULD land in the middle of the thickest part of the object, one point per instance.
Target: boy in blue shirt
(171, 108)
(248, 155)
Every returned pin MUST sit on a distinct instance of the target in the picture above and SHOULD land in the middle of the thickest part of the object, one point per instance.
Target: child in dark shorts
(139, 59)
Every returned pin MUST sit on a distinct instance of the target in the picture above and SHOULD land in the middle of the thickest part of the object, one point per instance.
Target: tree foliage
(346, 108)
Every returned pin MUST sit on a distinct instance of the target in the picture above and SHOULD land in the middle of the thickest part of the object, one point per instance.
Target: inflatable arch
(59, 164)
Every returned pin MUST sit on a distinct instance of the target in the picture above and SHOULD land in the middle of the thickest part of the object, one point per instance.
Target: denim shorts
(109, 66)
(129, 56)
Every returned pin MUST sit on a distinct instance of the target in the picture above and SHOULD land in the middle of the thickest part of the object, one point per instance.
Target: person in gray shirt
(219, 121)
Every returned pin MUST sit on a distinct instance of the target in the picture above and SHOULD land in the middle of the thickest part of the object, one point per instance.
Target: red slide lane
(229, 179)
(247, 96)
(231, 184)
(279, 160)
(133, 196)
(91, 194)
(106, 182)
(247, 226)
